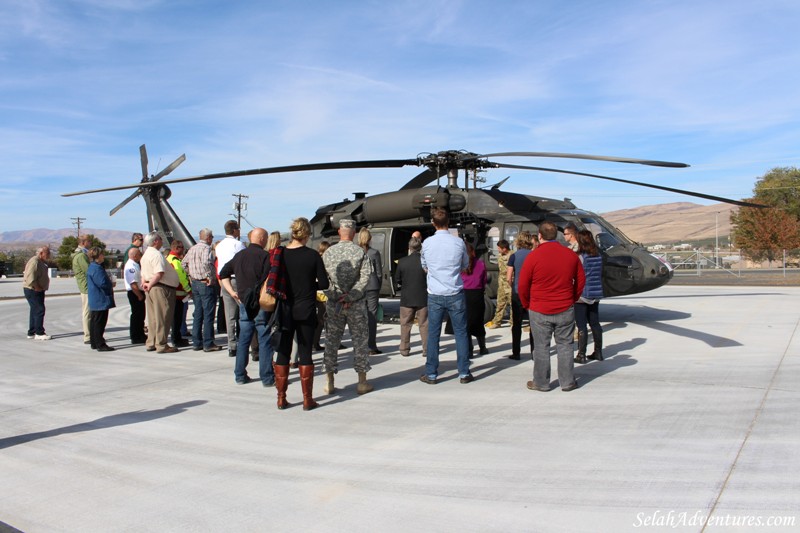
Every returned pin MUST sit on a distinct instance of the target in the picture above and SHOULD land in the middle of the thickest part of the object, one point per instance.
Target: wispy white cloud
(251, 85)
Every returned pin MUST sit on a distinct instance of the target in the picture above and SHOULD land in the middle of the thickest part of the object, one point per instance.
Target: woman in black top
(305, 274)
(373, 288)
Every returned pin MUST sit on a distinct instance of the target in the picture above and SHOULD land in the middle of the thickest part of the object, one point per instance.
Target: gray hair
(205, 232)
(151, 237)
(414, 244)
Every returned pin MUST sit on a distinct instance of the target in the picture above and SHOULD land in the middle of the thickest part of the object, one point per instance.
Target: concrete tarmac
(691, 424)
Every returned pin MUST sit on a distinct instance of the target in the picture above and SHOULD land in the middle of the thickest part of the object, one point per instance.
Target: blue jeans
(205, 302)
(265, 351)
(456, 307)
(559, 326)
(36, 319)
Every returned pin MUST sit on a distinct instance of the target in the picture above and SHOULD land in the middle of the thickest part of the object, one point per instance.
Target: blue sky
(248, 84)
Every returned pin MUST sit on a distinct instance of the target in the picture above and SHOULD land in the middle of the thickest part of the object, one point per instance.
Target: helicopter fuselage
(483, 217)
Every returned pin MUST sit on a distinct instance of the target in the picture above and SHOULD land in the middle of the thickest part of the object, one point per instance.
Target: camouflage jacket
(502, 267)
(348, 270)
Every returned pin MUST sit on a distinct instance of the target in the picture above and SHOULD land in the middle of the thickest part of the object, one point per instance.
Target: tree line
(763, 234)
(61, 259)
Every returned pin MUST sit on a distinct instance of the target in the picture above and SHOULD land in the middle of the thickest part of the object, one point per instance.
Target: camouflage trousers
(354, 316)
(503, 301)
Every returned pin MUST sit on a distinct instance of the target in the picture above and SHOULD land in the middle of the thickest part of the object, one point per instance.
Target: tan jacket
(35, 276)
(153, 262)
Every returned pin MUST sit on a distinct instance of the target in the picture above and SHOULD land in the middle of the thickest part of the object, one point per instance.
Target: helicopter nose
(663, 268)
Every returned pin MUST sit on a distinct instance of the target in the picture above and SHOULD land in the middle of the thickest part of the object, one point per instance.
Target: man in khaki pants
(159, 281)
(80, 265)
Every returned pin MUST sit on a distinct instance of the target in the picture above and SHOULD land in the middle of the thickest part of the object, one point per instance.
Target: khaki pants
(160, 304)
(407, 315)
(231, 316)
(86, 314)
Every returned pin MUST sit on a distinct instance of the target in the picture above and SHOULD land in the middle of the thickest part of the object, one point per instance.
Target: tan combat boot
(363, 387)
(329, 388)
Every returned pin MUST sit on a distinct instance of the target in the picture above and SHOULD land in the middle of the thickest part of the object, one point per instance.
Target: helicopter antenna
(477, 177)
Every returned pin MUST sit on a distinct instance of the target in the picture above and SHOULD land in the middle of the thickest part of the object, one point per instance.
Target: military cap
(347, 223)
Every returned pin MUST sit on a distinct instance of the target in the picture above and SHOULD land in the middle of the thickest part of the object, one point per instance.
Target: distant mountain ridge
(649, 224)
(114, 239)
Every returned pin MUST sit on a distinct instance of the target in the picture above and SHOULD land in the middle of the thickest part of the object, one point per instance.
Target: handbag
(266, 301)
(277, 324)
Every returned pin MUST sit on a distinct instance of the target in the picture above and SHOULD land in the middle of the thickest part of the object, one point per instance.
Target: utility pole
(76, 221)
(238, 206)
(716, 240)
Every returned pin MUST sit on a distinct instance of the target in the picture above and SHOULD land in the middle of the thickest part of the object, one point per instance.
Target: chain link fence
(733, 262)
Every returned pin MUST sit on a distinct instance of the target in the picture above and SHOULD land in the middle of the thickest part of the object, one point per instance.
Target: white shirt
(133, 274)
(226, 249)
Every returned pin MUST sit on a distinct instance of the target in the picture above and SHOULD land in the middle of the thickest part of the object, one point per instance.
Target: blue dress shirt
(444, 256)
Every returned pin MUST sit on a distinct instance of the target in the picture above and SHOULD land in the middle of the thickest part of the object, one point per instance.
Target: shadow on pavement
(120, 419)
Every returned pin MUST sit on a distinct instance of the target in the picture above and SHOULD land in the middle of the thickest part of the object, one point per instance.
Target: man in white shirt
(225, 250)
(133, 286)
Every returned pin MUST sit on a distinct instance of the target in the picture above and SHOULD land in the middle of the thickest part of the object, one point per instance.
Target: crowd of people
(558, 287)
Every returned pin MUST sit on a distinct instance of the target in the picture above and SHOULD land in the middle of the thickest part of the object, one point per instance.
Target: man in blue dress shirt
(444, 256)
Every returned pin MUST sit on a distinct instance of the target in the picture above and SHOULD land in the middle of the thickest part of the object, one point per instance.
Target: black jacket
(412, 281)
(250, 266)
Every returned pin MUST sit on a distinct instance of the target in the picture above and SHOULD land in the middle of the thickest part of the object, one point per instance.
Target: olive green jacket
(80, 265)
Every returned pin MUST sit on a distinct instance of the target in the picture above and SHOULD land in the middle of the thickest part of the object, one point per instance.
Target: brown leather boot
(307, 382)
(281, 384)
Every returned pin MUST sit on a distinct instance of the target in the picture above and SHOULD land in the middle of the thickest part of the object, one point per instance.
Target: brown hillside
(673, 223)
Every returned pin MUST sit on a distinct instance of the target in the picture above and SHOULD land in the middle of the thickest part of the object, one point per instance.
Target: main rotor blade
(386, 163)
(124, 202)
(170, 168)
(143, 157)
(640, 184)
(422, 179)
(585, 156)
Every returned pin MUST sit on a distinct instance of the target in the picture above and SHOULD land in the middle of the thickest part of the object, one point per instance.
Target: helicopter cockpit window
(605, 241)
(492, 236)
(606, 235)
(378, 242)
(511, 232)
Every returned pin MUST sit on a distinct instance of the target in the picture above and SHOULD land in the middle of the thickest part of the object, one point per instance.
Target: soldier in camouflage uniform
(503, 286)
(348, 269)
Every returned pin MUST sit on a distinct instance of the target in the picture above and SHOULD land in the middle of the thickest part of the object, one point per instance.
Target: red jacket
(551, 279)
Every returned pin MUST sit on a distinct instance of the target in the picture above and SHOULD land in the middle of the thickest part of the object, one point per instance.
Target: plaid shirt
(276, 279)
(199, 262)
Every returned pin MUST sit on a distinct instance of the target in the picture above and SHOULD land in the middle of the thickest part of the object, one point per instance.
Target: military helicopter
(480, 215)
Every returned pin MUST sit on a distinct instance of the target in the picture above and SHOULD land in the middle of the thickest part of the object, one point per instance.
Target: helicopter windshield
(606, 235)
